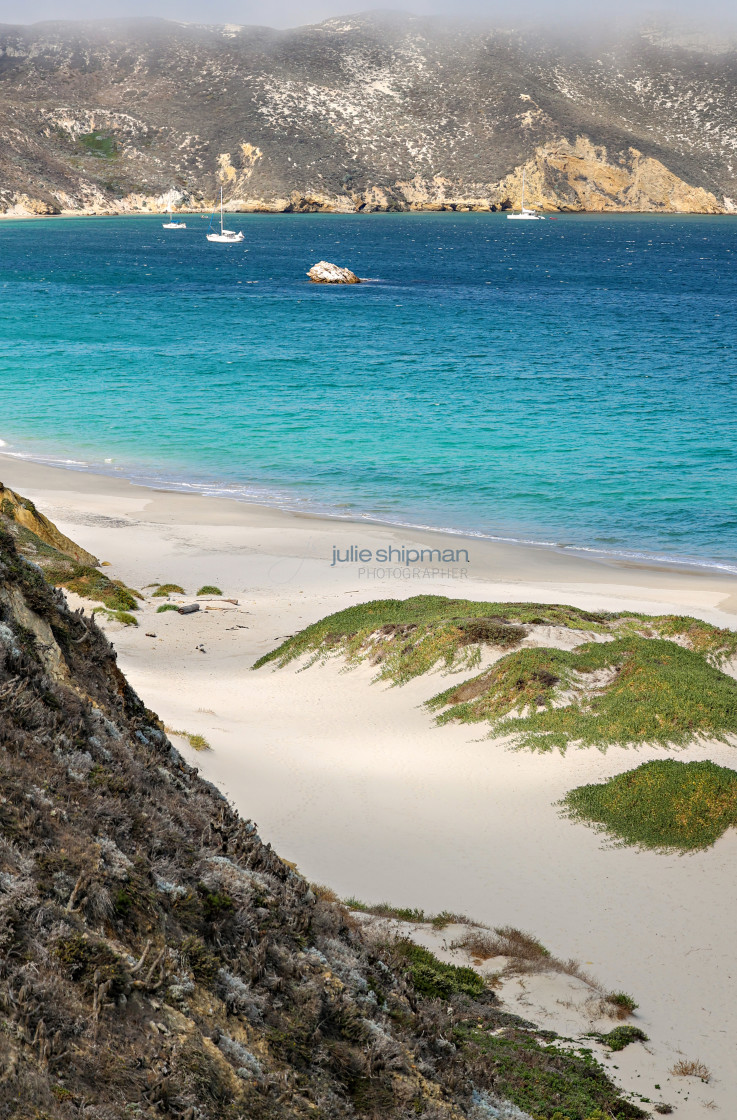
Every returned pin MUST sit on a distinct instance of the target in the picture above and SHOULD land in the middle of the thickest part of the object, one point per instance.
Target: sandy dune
(352, 781)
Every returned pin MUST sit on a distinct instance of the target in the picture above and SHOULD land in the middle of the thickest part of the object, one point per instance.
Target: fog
(712, 16)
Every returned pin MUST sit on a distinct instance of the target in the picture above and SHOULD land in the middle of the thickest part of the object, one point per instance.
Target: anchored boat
(524, 213)
(227, 235)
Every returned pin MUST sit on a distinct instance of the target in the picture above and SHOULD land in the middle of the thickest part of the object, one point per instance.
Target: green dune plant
(665, 805)
(164, 589)
(408, 637)
(626, 691)
(167, 607)
(633, 678)
(124, 617)
(89, 583)
(209, 589)
(620, 1037)
(196, 741)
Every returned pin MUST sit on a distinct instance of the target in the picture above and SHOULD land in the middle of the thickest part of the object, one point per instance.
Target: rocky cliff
(368, 113)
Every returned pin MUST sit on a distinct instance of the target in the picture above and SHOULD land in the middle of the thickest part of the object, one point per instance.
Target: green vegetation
(665, 805)
(550, 1082)
(622, 1003)
(168, 589)
(650, 680)
(117, 616)
(99, 144)
(620, 1037)
(167, 607)
(405, 913)
(434, 979)
(197, 742)
(409, 636)
(626, 691)
(89, 583)
(91, 962)
(209, 589)
(202, 962)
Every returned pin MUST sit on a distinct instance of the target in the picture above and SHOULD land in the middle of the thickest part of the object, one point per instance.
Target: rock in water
(325, 273)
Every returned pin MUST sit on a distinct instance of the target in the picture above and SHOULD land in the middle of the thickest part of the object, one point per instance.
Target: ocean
(570, 382)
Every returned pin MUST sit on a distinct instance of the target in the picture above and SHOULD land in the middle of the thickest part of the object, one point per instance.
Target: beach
(353, 782)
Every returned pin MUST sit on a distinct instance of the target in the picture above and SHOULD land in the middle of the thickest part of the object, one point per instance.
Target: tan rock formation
(582, 177)
(24, 512)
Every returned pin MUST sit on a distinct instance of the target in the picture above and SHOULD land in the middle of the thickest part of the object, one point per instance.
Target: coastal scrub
(627, 691)
(408, 637)
(665, 805)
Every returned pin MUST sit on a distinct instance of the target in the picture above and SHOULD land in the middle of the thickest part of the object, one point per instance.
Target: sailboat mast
(221, 209)
(523, 189)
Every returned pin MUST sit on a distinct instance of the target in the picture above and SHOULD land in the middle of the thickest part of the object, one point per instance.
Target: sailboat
(523, 212)
(172, 224)
(227, 235)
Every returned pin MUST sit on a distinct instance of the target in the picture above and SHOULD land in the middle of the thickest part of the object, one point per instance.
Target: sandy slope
(352, 781)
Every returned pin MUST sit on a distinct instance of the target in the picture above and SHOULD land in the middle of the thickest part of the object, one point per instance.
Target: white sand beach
(353, 782)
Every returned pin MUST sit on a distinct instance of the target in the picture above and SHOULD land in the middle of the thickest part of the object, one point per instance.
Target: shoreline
(621, 557)
(430, 209)
(352, 780)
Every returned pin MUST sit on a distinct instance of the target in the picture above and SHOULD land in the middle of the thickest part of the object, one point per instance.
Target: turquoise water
(569, 381)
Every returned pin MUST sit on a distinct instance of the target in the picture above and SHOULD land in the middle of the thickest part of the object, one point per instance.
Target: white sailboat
(523, 212)
(172, 224)
(227, 235)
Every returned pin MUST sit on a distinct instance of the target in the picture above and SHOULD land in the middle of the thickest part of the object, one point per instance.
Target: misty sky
(293, 13)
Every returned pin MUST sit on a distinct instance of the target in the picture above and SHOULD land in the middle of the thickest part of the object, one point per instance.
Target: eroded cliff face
(368, 113)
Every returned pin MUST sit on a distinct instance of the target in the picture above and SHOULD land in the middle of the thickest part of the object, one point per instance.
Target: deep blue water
(567, 381)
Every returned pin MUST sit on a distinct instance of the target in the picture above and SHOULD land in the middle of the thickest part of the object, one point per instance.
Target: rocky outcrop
(23, 512)
(325, 273)
(375, 112)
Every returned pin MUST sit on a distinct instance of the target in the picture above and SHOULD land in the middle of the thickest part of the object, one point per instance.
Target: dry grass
(687, 1067)
(196, 742)
(526, 954)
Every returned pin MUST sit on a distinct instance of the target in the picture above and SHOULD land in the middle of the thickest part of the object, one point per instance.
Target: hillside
(369, 113)
(157, 959)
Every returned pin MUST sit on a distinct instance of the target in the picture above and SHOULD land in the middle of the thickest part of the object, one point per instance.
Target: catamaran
(227, 235)
(172, 224)
(523, 212)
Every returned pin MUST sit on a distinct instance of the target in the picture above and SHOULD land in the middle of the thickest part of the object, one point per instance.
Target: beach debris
(190, 608)
(326, 273)
(149, 635)
(201, 648)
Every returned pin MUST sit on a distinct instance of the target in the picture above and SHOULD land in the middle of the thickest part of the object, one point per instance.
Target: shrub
(203, 964)
(622, 1004)
(197, 742)
(688, 1068)
(629, 690)
(209, 589)
(168, 589)
(167, 607)
(620, 1037)
(83, 959)
(665, 805)
(89, 583)
(117, 616)
(435, 979)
